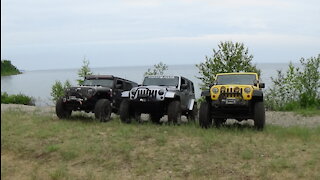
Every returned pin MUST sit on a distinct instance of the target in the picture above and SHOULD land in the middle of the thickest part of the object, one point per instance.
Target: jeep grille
(230, 92)
(77, 93)
(147, 92)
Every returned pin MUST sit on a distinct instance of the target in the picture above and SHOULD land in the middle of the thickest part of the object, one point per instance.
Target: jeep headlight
(90, 92)
(215, 90)
(67, 91)
(133, 91)
(247, 90)
(161, 92)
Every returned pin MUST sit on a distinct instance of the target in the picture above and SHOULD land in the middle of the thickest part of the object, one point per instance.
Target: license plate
(72, 97)
(230, 101)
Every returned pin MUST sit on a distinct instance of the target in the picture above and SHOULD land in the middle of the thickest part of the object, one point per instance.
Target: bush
(58, 89)
(296, 88)
(16, 99)
(230, 57)
(158, 69)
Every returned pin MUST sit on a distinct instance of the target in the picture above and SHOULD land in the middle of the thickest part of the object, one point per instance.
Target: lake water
(38, 83)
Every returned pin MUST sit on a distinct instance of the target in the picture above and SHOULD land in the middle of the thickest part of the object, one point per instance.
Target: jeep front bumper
(230, 102)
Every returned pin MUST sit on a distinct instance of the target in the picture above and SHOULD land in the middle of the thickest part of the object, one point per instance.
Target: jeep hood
(167, 88)
(97, 88)
(84, 90)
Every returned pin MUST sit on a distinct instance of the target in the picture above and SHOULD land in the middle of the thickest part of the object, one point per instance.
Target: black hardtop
(99, 77)
(107, 77)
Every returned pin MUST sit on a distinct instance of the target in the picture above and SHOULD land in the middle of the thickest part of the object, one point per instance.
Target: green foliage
(229, 57)
(16, 99)
(84, 71)
(58, 89)
(8, 69)
(158, 69)
(296, 88)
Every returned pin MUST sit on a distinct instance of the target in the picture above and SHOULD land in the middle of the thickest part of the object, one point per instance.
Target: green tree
(84, 71)
(297, 87)
(58, 89)
(158, 69)
(229, 57)
(8, 69)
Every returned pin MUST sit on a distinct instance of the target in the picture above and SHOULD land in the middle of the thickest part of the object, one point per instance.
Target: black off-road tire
(259, 115)
(102, 110)
(205, 120)
(174, 112)
(155, 118)
(193, 115)
(61, 110)
(124, 111)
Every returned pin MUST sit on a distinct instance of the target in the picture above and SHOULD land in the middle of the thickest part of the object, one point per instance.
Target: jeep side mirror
(261, 85)
(183, 86)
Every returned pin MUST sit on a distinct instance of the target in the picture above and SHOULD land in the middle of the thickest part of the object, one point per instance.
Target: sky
(59, 34)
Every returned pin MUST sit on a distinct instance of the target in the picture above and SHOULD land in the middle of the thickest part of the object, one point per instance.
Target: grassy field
(35, 146)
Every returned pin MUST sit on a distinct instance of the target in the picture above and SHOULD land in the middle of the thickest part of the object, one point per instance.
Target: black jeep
(158, 96)
(100, 94)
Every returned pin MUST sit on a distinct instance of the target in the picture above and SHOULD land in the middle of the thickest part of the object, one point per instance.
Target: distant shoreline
(133, 66)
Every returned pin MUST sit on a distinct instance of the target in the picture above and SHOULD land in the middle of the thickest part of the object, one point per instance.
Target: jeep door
(191, 93)
(184, 93)
(118, 89)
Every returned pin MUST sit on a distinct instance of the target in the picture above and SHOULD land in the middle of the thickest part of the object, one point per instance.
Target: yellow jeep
(233, 96)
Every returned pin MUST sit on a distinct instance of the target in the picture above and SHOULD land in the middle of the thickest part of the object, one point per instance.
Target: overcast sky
(43, 34)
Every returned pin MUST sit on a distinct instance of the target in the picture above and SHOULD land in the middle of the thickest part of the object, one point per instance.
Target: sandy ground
(276, 118)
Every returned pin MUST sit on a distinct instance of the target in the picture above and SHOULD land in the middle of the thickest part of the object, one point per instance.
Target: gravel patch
(284, 119)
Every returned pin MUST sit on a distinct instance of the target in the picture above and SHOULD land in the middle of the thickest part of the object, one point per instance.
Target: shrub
(16, 99)
(296, 88)
(58, 89)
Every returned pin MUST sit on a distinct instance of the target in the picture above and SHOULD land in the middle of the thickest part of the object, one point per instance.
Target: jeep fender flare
(125, 94)
(191, 104)
(205, 93)
(170, 95)
(257, 95)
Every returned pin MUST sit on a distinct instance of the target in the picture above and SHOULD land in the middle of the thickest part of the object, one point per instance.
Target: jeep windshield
(243, 79)
(98, 82)
(161, 81)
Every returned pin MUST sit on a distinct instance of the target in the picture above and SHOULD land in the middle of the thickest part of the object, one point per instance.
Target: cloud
(83, 26)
